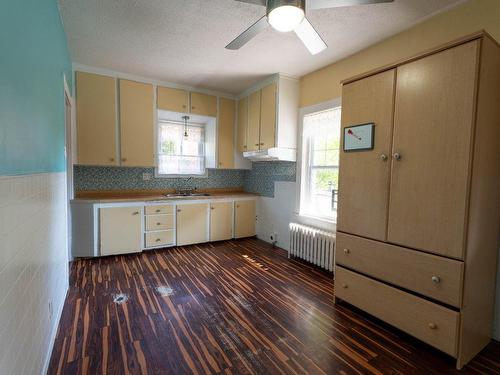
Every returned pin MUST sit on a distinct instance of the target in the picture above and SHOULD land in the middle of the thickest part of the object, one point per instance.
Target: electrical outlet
(274, 237)
(146, 176)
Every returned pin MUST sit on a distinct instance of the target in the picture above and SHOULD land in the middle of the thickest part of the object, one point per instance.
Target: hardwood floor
(232, 307)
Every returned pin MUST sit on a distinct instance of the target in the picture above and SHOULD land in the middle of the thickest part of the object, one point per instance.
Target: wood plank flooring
(235, 307)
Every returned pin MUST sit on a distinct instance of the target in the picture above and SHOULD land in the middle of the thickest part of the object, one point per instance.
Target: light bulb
(285, 18)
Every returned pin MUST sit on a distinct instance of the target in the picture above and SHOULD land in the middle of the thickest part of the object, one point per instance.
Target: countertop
(152, 196)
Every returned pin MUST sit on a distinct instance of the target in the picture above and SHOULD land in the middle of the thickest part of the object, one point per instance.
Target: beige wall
(324, 84)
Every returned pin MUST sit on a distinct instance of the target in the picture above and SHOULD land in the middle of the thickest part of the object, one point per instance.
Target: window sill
(319, 218)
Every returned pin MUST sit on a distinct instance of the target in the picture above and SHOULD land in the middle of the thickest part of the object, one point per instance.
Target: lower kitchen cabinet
(192, 223)
(244, 218)
(221, 221)
(120, 230)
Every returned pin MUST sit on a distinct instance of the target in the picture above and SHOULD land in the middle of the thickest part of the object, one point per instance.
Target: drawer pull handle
(436, 279)
(383, 157)
(344, 286)
(433, 326)
(178, 210)
(158, 211)
(347, 251)
(212, 208)
(135, 213)
(158, 223)
(158, 239)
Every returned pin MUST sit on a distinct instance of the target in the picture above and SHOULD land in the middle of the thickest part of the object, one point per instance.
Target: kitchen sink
(179, 195)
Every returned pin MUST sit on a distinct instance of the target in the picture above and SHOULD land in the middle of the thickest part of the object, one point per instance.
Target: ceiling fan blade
(248, 34)
(310, 37)
(323, 4)
(257, 2)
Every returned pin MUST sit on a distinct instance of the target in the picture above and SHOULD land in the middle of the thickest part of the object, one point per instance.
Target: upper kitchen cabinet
(242, 126)
(268, 116)
(225, 133)
(175, 100)
(96, 119)
(137, 124)
(203, 104)
(253, 134)
(271, 120)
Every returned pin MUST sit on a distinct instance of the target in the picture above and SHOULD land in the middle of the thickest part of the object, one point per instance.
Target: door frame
(69, 154)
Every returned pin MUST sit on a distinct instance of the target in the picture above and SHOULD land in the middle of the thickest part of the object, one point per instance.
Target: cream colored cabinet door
(203, 104)
(96, 119)
(192, 223)
(244, 218)
(120, 230)
(241, 132)
(432, 151)
(174, 100)
(221, 221)
(364, 175)
(225, 133)
(136, 124)
(268, 117)
(253, 134)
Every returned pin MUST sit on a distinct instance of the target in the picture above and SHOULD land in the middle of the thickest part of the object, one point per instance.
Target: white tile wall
(274, 214)
(33, 269)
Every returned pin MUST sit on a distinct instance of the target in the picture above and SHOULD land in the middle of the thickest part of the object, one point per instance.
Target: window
(180, 155)
(320, 164)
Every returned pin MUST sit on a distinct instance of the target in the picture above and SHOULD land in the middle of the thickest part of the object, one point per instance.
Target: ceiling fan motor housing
(273, 4)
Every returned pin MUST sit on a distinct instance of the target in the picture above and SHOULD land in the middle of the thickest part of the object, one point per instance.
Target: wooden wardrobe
(419, 214)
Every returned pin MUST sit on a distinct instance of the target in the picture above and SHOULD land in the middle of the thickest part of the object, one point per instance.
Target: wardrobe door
(364, 175)
(433, 122)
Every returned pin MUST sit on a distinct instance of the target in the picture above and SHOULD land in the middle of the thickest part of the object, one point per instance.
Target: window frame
(320, 221)
(157, 173)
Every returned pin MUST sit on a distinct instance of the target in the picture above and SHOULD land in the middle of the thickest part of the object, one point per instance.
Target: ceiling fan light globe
(285, 18)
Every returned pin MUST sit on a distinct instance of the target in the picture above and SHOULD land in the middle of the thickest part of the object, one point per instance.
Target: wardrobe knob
(436, 279)
(397, 156)
(383, 157)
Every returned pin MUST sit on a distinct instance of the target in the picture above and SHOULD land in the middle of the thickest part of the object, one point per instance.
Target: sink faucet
(186, 190)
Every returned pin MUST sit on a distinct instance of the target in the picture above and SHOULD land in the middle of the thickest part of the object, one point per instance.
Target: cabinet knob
(237, 206)
(432, 325)
(212, 208)
(262, 144)
(158, 223)
(158, 210)
(135, 213)
(111, 159)
(220, 164)
(179, 210)
(344, 286)
(245, 147)
(347, 251)
(397, 156)
(193, 107)
(436, 279)
(124, 159)
(383, 157)
(256, 144)
(158, 239)
(183, 106)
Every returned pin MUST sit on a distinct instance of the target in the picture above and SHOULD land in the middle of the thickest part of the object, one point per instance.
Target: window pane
(320, 167)
(178, 154)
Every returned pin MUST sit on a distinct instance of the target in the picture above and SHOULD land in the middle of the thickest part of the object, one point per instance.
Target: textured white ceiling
(183, 41)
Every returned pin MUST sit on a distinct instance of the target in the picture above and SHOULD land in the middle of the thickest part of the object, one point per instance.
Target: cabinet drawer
(155, 210)
(427, 321)
(159, 238)
(433, 276)
(159, 222)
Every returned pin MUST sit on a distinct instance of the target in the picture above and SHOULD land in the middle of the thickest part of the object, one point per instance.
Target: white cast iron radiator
(312, 245)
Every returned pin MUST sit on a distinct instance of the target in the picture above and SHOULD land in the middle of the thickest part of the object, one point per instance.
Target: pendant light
(185, 118)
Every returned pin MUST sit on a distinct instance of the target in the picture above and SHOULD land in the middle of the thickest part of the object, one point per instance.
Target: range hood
(272, 154)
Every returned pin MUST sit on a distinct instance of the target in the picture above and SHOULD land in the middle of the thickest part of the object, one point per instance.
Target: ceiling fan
(289, 15)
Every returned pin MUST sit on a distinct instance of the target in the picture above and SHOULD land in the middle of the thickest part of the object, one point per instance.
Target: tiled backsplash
(260, 179)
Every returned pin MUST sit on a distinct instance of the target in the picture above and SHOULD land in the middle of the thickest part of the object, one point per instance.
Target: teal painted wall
(33, 57)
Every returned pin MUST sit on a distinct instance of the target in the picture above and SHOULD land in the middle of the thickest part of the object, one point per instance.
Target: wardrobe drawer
(155, 210)
(159, 222)
(433, 276)
(160, 238)
(427, 321)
